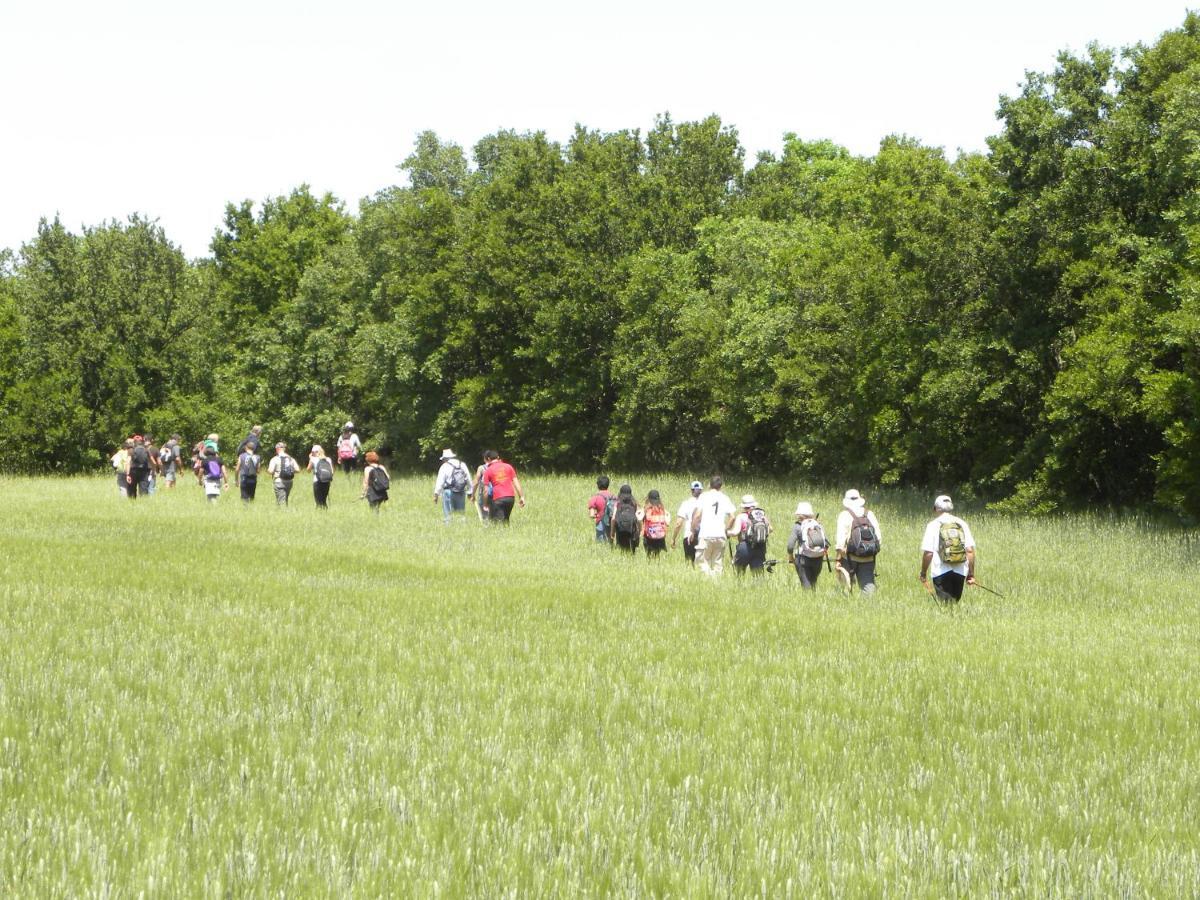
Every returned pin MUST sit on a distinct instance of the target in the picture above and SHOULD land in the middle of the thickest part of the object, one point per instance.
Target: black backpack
(379, 481)
(287, 468)
(863, 539)
(757, 529)
(625, 518)
(139, 458)
(248, 467)
(323, 470)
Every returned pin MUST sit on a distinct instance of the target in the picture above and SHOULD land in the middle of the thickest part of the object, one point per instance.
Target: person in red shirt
(598, 508)
(504, 484)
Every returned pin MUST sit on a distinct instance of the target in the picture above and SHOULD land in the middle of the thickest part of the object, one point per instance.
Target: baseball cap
(697, 486)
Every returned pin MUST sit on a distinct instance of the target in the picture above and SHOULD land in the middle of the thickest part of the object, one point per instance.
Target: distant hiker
(858, 543)
(807, 546)
(170, 457)
(198, 462)
(479, 493)
(655, 521)
(683, 520)
(247, 471)
(348, 448)
(751, 529)
(600, 508)
(711, 520)
(282, 469)
(626, 529)
(252, 441)
(215, 440)
(376, 482)
(947, 552)
(137, 469)
(216, 476)
(155, 465)
(451, 485)
(321, 467)
(501, 482)
(120, 464)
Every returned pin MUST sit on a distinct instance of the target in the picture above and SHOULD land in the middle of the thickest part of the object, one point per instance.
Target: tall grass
(221, 700)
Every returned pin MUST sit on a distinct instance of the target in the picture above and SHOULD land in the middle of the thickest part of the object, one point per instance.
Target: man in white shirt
(683, 519)
(859, 539)
(712, 518)
(451, 486)
(947, 552)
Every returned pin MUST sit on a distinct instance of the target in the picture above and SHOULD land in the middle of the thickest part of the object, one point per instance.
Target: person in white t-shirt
(711, 520)
(683, 519)
(282, 469)
(451, 486)
(947, 552)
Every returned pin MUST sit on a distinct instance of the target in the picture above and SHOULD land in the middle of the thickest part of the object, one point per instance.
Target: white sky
(172, 110)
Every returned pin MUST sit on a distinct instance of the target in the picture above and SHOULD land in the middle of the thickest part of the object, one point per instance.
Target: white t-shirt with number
(931, 540)
(715, 508)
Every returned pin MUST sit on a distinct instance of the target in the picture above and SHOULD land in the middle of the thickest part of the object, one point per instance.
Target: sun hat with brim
(448, 454)
(804, 508)
(943, 503)
(853, 498)
(748, 500)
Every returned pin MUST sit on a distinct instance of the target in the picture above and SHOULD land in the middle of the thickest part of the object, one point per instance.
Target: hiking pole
(990, 591)
(928, 588)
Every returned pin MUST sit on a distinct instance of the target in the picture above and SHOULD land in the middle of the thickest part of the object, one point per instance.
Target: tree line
(1021, 324)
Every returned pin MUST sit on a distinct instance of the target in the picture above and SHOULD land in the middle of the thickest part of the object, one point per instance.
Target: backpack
(139, 458)
(379, 481)
(656, 528)
(248, 466)
(212, 469)
(625, 519)
(863, 539)
(345, 448)
(165, 456)
(287, 468)
(606, 517)
(952, 547)
(757, 529)
(815, 542)
(459, 479)
(323, 470)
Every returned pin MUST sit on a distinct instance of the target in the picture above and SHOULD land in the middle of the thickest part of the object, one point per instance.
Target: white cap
(804, 508)
(943, 503)
(349, 426)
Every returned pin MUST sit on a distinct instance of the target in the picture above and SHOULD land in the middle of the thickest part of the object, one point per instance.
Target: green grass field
(229, 701)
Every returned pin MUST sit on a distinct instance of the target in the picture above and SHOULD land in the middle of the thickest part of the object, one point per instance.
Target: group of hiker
(713, 526)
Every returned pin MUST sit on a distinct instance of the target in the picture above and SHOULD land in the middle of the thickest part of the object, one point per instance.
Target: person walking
(807, 546)
(600, 508)
(282, 469)
(859, 540)
(214, 472)
(451, 486)
(751, 528)
(655, 521)
(376, 482)
(252, 441)
(137, 468)
(321, 467)
(478, 493)
(247, 471)
(501, 482)
(170, 457)
(348, 448)
(626, 529)
(683, 521)
(120, 464)
(947, 552)
(711, 521)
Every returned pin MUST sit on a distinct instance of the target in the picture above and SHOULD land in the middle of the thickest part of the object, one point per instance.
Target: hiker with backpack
(807, 546)
(479, 494)
(947, 552)
(751, 528)
(600, 508)
(321, 467)
(247, 471)
(502, 486)
(137, 468)
(376, 482)
(214, 472)
(451, 486)
(348, 448)
(711, 521)
(120, 464)
(169, 458)
(155, 466)
(683, 521)
(655, 521)
(282, 469)
(626, 528)
(858, 543)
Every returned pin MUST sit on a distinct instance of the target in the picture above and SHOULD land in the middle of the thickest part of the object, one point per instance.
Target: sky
(173, 110)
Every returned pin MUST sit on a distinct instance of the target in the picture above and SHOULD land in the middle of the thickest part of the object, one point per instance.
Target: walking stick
(990, 591)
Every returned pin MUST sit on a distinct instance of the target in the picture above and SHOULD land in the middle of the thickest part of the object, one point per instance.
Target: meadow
(241, 701)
